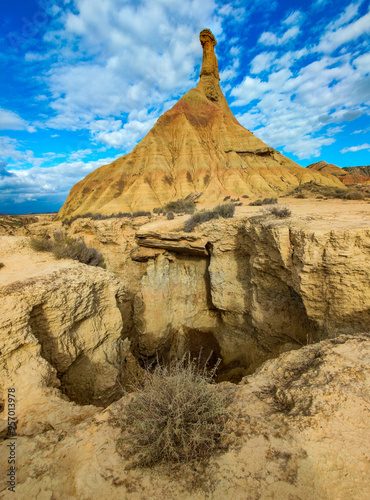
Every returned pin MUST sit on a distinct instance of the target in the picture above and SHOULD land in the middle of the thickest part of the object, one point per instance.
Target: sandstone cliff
(63, 327)
(246, 289)
(197, 146)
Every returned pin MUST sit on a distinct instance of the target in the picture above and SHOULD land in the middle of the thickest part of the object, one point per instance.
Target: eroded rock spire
(209, 76)
(209, 64)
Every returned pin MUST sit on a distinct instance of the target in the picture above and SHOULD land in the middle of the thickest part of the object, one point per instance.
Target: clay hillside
(198, 146)
(347, 175)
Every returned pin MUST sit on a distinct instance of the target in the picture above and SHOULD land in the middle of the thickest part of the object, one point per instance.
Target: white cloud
(53, 182)
(293, 18)
(338, 36)
(262, 62)
(292, 109)
(138, 57)
(268, 38)
(362, 131)
(353, 149)
(362, 63)
(11, 121)
(81, 153)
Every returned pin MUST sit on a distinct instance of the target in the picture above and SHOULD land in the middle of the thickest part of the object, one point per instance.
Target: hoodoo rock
(198, 146)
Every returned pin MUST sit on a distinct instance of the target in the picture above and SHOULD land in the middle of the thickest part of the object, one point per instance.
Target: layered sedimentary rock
(63, 331)
(245, 289)
(299, 429)
(258, 289)
(347, 175)
(198, 146)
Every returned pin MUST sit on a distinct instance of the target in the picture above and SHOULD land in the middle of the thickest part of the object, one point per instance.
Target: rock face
(246, 289)
(298, 428)
(197, 146)
(263, 288)
(63, 330)
(347, 175)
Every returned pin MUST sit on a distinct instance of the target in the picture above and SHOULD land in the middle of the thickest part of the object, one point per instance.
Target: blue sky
(84, 80)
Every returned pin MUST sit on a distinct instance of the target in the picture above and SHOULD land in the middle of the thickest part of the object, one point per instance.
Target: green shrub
(170, 216)
(64, 247)
(226, 211)
(279, 211)
(245, 196)
(177, 414)
(301, 195)
(265, 201)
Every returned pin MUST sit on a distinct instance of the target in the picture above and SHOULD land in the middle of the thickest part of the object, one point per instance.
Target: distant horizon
(86, 80)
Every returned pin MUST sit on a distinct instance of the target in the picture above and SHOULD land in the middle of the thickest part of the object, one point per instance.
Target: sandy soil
(318, 215)
(21, 262)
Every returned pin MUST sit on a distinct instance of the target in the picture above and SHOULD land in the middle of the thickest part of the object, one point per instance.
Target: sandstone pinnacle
(197, 146)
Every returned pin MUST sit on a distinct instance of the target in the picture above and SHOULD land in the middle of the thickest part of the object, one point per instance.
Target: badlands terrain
(280, 304)
(284, 303)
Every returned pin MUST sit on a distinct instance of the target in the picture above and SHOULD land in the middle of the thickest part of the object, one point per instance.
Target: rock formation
(63, 330)
(198, 146)
(347, 175)
(246, 289)
(298, 429)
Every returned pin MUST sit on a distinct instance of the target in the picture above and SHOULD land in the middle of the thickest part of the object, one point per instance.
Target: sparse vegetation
(63, 246)
(141, 213)
(68, 222)
(265, 201)
(177, 415)
(180, 206)
(355, 195)
(279, 211)
(320, 191)
(226, 211)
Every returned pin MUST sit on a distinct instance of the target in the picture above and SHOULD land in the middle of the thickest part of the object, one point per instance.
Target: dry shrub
(265, 201)
(355, 195)
(177, 414)
(226, 211)
(64, 247)
(1, 265)
(180, 206)
(279, 211)
(41, 244)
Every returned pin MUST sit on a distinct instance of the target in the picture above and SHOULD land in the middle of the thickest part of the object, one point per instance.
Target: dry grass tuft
(177, 415)
(64, 247)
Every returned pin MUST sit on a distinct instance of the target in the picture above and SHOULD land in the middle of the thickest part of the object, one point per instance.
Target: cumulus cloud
(262, 62)
(341, 33)
(136, 57)
(291, 106)
(53, 182)
(12, 121)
